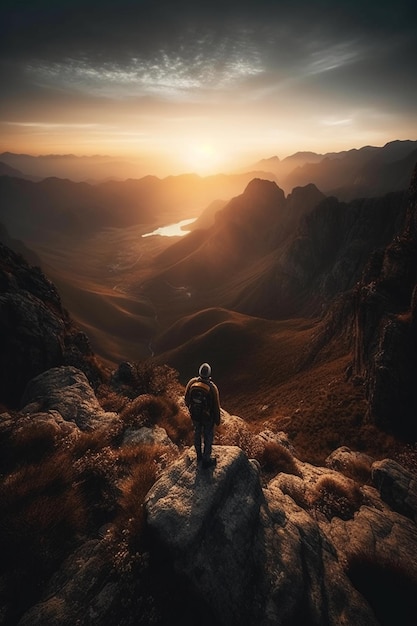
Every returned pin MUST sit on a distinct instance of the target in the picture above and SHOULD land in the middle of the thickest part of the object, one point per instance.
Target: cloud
(275, 66)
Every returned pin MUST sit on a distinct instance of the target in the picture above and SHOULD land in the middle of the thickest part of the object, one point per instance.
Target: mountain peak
(266, 190)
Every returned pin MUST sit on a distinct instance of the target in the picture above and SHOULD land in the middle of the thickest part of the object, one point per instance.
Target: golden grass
(335, 496)
(130, 519)
(275, 458)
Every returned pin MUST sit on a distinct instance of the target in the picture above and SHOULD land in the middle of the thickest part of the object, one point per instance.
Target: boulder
(151, 436)
(66, 389)
(397, 486)
(350, 462)
(81, 592)
(247, 555)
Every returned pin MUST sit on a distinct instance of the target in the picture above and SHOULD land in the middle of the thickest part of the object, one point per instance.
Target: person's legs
(208, 441)
(197, 439)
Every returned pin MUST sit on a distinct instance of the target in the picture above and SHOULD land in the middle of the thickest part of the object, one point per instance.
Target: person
(206, 415)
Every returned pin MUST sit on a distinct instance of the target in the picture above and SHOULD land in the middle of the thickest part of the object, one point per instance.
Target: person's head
(204, 371)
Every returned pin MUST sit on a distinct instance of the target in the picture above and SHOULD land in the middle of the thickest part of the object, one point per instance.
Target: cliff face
(36, 332)
(386, 328)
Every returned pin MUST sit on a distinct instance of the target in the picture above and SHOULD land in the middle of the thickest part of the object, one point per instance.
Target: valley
(262, 286)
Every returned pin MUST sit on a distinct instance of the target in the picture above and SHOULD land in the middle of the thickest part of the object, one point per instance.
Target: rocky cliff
(386, 328)
(36, 331)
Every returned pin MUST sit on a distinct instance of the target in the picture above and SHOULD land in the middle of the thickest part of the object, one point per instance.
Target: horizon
(244, 167)
(209, 88)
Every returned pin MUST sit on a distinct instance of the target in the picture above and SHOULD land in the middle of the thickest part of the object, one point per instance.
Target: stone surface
(252, 556)
(66, 390)
(397, 486)
(36, 331)
(153, 435)
(349, 462)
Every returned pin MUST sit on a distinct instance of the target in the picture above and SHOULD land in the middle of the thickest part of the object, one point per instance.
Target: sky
(205, 86)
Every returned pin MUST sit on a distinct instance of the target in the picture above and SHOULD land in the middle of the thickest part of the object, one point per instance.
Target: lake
(172, 230)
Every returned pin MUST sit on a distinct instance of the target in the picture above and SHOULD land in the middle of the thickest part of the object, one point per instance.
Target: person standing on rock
(203, 402)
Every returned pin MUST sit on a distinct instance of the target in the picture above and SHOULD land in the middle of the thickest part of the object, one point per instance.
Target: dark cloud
(52, 30)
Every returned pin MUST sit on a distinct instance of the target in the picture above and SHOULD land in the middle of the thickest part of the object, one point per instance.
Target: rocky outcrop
(278, 555)
(66, 390)
(397, 486)
(385, 330)
(36, 331)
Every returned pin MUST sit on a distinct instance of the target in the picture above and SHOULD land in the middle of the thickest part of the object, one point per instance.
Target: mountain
(360, 173)
(19, 247)
(6, 170)
(273, 256)
(38, 211)
(386, 322)
(76, 168)
(349, 174)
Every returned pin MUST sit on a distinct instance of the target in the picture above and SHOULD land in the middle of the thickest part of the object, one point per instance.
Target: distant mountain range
(38, 210)
(367, 172)
(77, 168)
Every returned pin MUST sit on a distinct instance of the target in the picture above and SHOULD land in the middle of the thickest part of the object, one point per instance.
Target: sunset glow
(206, 88)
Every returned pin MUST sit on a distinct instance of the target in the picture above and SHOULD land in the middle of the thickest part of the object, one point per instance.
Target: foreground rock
(66, 390)
(255, 556)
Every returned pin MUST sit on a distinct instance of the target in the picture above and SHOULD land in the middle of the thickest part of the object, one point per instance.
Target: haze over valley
(251, 282)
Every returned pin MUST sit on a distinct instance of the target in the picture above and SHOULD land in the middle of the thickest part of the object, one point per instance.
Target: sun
(203, 157)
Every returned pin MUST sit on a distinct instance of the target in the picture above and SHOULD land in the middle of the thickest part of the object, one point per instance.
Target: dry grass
(148, 410)
(130, 520)
(110, 399)
(58, 491)
(407, 457)
(43, 513)
(276, 458)
(335, 497)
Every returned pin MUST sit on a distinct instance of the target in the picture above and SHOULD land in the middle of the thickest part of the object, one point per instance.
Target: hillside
(99, 466)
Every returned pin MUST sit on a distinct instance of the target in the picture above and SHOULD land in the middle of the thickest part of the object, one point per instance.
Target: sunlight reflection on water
(172, 230)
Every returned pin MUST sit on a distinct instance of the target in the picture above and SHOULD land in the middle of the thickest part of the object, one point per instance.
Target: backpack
(200, 401)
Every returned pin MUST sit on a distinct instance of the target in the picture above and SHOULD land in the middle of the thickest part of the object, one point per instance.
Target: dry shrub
(35, 440)
(335, 497)
(97, 474)
(130, 521)
(150, 410)
(240, 437)
(111, 400)
(146, 377)
(25, 440)
(389, 587)
(274, 458)
(154, 379)
(94, 440)
(43, 512)
(359, 470)
(178, 426)
(145, 410)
